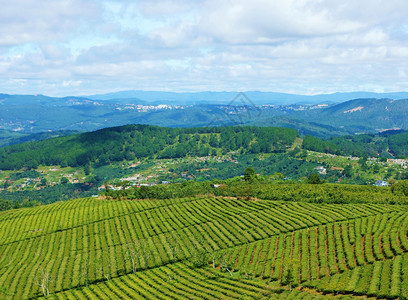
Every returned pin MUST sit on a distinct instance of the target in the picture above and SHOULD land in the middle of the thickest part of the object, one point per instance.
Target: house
(381, 183)
(218, 185)
(321, 170)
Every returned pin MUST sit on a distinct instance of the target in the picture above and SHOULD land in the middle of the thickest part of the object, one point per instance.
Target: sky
(85, 47)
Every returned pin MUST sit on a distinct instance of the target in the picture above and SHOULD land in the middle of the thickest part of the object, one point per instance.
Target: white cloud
(174, 35)
(24, 21)
(71, 83)
(52, 51)
(263, 21)
(302, 46)
(165, 8)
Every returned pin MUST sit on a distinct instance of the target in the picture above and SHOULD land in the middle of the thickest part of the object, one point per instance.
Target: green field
(204, 248)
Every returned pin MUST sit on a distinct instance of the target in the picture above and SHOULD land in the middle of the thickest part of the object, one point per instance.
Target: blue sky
(83, 47)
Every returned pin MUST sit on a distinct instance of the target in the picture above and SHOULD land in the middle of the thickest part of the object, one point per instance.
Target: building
(381, 183)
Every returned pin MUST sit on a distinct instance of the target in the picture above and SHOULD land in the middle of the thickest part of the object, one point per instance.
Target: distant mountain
(254, 97)
(189, 98)
(17, 100)
(362, 115)
(28, 114)
(32, 118)
(302, 126)
(8, 137)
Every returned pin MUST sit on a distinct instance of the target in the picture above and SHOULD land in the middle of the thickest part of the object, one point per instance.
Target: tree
(43, 280)
(348, 171)
(363, 163)
(6, 184)
(173, 248)
(43, 182)
(27, 203)
(138, 251)
(303, 154)
(288, 276)
(400, 188)
(64, 180)
(215, 256)
(249, 175)
(146, 254)
(104, 266)
(277, 176)
(133, 252)
(5, 204)
(294, 152)
(84, 274)
(17, 204)
(200, 255)
(314, 179)
(225, 265)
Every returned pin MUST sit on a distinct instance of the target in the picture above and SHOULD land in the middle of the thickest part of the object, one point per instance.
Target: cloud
(25, 21)
(162, 9)
(263, 21)
(71, 83)
(174, 35)
(54, 52)
(303, 46)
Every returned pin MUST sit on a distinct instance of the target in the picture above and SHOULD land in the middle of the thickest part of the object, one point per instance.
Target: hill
(8, 137)
(207, 247)
(135, 142)
(302, 126)
(362, 115)
(388, 144)
(78, 165)
(129, 142)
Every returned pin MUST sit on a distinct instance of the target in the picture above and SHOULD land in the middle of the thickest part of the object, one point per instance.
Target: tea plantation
(204, 247)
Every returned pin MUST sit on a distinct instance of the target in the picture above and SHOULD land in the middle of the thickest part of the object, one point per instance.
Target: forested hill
(386, 144)
(9, 137)
(131, 142)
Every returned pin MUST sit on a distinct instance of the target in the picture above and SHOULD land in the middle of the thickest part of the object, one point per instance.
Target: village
(382, 169)
(164, 168)
(165, 171)
(147, 108)
(44, 176)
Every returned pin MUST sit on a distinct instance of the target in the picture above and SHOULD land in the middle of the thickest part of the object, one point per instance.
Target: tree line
(270, 188)
(372, 145)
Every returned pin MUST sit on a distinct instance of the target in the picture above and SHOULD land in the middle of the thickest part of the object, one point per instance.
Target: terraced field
(204, 248)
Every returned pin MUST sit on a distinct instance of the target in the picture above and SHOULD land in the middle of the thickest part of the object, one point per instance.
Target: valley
(147, 212)
(118, 157)
(220, 150)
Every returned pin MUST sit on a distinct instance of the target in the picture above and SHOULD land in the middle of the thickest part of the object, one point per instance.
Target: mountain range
(256, 97)
(319, 115)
